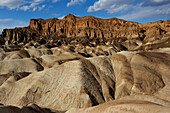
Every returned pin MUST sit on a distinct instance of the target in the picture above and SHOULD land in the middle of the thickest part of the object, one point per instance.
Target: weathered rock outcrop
(135, 104)
(72, 26)
(143, 77)
(88, 32)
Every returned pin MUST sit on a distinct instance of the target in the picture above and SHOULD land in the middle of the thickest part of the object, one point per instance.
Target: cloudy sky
(17, 13)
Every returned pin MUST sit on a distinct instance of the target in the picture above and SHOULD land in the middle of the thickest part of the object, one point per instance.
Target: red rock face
(91, 27)
(72, 26)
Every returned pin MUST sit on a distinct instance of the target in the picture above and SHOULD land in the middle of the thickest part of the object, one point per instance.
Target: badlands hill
(85, 65)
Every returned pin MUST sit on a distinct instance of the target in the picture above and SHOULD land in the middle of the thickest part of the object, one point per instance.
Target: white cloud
(148, 13)
(34, 5)
(73, 2)
(109, 5)
(159, 0)
(40, 8)
(25, 8)
(6, 20)
(61, 17)
(155, 2)
(54, 1)
(24, 4)
(11, 4)
(134, 9)
(34, 9)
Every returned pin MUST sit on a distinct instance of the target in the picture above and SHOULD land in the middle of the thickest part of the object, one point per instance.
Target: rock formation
(139, 104)
(89, 32)
(85, 65)
(51, 81)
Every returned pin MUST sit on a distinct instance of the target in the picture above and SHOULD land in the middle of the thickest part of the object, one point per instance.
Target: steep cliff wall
(72, 26)
(54, 30)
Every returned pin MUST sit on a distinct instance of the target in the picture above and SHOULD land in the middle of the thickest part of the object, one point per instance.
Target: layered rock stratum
(85, 65)
(87, 34)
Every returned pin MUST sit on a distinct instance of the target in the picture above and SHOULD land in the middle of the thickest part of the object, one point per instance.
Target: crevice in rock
(40, 67)
(93, 99)
(112, 92)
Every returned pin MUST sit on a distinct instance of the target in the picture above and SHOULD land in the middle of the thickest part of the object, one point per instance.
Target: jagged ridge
(87, 31)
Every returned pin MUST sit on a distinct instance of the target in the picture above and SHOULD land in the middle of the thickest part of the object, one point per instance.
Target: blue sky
(17, 13)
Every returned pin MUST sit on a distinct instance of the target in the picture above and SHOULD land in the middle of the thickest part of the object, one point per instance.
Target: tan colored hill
(124, 81)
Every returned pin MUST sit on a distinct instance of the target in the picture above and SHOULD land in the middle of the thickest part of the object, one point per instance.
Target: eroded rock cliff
(90, 32)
